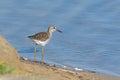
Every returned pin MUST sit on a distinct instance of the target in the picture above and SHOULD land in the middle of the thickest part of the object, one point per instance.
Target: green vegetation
(5, 69)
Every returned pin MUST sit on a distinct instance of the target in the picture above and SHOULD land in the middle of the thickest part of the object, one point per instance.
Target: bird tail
(29, 36)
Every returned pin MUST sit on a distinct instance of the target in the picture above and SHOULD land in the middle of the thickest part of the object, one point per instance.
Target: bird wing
(43, 36)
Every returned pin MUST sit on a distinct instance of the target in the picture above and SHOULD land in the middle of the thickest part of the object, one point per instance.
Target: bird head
(53, 28)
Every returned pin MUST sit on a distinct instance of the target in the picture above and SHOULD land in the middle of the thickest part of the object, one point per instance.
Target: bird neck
(50, 32)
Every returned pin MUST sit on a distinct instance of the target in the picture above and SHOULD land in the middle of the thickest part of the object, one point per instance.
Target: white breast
(42, 43)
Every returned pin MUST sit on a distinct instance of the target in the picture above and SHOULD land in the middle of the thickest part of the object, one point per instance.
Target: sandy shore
(36, 71)
(38, 77)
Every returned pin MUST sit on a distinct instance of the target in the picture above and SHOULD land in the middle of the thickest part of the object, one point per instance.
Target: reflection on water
(90, 37)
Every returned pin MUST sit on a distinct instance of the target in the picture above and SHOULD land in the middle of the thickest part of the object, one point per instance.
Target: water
(90, 38)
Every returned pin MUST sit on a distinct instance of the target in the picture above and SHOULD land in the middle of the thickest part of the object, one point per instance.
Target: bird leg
(42, 54)
(35, 53)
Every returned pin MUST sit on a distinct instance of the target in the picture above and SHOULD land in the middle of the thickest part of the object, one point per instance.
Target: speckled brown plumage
(42, 36)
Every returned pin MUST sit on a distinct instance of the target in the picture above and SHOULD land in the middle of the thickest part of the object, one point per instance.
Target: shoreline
(71, 68)
(93, 75)
(34, 70)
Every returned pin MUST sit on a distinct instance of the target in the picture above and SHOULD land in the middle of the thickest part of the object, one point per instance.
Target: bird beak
(59, 30)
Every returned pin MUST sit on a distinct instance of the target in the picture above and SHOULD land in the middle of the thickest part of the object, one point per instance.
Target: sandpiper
(42, 38)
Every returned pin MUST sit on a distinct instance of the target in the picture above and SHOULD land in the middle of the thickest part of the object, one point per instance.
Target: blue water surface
(90, 38)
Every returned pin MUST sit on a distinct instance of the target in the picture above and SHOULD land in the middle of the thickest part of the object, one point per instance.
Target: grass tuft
(5, 69)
